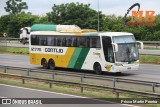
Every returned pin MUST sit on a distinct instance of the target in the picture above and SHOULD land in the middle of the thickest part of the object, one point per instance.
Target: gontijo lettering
(55, 50)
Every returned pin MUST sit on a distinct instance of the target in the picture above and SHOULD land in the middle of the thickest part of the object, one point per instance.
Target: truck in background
(24, 35)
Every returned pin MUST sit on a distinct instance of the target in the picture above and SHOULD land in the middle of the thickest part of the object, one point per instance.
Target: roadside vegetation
(14, 50)
(152, 48)
(149, 59)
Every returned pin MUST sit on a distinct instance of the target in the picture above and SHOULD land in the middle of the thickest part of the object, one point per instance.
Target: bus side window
(68, 41)
(34, 40)
(98, 45)
(50, 41)
(59, 41)
(87, 42)
(81, 41)
(95, 42)
(63, 39)
(74, 41)
(43, 40)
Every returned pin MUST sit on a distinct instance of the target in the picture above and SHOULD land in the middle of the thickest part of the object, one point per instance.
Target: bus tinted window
(68, 41)
(74, 42)
(43, 40)
(95, 42)
(34, 40)
(81, 42)
(50, 41)
(63, 41)
(58, 41)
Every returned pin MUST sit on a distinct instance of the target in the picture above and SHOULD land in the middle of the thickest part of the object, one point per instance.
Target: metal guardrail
(9, 39)
(151, 42)
(82, 76)
(85, 85)
(154, 43)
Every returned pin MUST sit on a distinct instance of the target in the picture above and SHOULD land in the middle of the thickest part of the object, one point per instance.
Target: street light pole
(98, 15)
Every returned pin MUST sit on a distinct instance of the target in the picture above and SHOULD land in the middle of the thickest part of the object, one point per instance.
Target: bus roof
(115, 33)
(51, 27)
(81, 34)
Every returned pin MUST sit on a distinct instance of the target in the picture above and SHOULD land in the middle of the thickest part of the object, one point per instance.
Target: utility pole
(98, 15)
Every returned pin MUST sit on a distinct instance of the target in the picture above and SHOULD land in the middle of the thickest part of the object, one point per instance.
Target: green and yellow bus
(68, 46)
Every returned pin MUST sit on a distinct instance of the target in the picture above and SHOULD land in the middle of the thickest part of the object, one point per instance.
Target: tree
(11, 24)
(75, 13)
(15, 6)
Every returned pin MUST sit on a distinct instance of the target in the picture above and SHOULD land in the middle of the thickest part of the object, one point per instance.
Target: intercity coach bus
(83, 49)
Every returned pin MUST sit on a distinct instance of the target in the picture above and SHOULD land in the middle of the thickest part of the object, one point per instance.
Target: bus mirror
(140, 45)
(115, 47)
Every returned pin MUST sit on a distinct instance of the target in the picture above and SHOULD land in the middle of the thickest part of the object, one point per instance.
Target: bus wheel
(97, 68)
(44, 63)
(51, 64)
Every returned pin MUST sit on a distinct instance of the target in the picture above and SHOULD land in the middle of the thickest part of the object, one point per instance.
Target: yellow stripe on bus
(60, 60)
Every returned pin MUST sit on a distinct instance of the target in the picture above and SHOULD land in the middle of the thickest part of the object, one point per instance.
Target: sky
(108, 7)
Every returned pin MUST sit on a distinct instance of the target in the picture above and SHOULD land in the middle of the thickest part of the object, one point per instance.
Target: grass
(151, 48)
(14, 50)
(149, 59)
(59, 88)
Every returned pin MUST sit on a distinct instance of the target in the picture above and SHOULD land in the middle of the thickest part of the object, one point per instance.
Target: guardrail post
(5, 69)
(114, 82)
(53, 75)
(117, 94)
(81, 78)
(156, 45)
(153, 87)
(23, 82)
(50, 85)
(28, 71)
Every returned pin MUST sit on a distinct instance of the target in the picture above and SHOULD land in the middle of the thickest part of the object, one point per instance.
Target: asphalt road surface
(146, 72)
(9, 91)
(150, 52)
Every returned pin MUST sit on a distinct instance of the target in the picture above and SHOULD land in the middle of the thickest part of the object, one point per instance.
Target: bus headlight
(118, 64)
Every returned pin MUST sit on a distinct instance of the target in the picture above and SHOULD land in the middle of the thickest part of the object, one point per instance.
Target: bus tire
(97, 68)
(51, 64)
(44, 63)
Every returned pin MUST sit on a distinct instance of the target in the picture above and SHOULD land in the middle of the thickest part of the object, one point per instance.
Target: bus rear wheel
(97, 68)
(51, 64)
(44, 63)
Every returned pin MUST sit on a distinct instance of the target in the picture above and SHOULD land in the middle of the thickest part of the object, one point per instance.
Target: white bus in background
(24, 35)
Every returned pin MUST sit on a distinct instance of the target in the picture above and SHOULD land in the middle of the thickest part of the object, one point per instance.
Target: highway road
(9, 91)
(149, 52)
(146, 72)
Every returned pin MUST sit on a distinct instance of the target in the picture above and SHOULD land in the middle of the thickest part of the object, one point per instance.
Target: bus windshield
(127, 50)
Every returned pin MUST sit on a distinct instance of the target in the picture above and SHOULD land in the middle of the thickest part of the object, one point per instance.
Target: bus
(84, 49)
